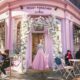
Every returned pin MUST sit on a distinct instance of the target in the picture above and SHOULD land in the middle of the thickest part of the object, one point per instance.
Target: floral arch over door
(39, 23)
(29, 23)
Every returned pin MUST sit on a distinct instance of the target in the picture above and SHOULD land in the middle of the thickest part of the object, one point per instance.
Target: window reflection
(18, 40)
(2, 34)
(76, 37)
(17, 36)
(18, 33)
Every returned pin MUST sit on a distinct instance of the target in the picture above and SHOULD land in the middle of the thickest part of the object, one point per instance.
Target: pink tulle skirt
(40, 61)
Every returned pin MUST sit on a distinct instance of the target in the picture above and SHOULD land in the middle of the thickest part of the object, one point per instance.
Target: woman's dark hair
(68, 51)
(7, 51)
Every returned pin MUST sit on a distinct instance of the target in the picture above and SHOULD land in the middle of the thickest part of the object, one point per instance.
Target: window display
(76, 37)
(2, 34)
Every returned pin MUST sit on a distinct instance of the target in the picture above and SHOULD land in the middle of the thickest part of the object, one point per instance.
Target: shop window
(18, 33)
(2, 34)
(76, 37)
(17, 36)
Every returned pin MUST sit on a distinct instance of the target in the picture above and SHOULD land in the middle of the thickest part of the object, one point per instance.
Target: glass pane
(2, 34)
(76, 37)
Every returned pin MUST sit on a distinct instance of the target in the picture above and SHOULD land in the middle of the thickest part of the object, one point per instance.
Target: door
(35, 41)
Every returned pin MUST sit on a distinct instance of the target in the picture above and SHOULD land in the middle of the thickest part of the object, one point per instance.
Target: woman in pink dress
(40, 61)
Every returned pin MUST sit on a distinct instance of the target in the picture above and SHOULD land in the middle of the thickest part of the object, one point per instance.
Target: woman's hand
(67, 57)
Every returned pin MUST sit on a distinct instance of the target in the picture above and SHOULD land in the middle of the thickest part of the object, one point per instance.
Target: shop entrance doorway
(35, 41)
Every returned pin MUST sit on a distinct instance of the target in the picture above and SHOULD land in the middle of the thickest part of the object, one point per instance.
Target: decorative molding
(17, 3)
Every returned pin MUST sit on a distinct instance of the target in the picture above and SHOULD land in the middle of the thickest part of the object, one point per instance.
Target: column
(63, 33)
(71, 37)
(9, 32)
(67, 34)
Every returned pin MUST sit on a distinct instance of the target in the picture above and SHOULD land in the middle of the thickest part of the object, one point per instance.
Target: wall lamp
(21, 7)
(55, 8)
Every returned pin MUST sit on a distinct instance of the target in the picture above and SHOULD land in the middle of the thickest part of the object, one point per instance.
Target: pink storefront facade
(22, 19)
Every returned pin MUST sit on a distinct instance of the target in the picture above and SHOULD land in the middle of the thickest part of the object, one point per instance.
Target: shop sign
(39, 9)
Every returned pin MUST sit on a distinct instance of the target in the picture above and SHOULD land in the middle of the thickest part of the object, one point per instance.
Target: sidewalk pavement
(30, 75)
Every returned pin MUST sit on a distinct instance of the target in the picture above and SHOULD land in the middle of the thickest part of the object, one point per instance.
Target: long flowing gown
(40, 61)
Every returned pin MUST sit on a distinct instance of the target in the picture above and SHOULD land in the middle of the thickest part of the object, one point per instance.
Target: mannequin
(40, 61)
